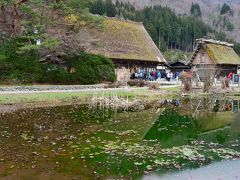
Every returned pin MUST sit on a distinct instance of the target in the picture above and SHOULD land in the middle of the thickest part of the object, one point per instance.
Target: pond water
(79, 142)
(220, 170)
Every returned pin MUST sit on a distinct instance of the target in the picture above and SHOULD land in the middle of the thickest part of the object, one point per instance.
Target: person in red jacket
(230, 75)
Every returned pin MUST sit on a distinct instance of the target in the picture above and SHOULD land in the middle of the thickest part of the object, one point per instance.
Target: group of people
(155, 75)
(172, 76)
(147, 75)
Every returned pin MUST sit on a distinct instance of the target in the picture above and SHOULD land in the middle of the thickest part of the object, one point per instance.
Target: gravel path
(65, 88)
(50, 87)
(60, 88)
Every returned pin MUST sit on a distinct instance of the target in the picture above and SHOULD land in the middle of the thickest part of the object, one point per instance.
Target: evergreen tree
(195, 10)
(237, 48)
(110, 8)
(98, 7)
(226, 9)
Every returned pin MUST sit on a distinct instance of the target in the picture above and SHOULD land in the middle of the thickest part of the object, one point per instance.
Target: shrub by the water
(25, 68)
(54, 74)
(90, 69)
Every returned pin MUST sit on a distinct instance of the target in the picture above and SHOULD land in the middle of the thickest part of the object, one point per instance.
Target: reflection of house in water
(212, 114)
(215, 124)
(236, 106)
(213, 120)
(215, 105)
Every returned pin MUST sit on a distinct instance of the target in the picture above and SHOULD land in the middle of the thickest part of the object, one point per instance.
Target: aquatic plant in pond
(85, 114)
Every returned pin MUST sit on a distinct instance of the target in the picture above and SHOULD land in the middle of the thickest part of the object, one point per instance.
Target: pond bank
(18, 97)
(13, 101)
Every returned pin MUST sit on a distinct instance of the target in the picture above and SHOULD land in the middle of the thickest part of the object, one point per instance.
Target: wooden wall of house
(202, 58)
(123, 74)
(203, 64)
(180, 69)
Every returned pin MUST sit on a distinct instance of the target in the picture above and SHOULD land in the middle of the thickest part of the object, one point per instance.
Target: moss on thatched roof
(122, 39)
(222, 54)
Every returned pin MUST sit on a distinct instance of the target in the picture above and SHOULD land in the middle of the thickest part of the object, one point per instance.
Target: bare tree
(209, 80)
(186, 79)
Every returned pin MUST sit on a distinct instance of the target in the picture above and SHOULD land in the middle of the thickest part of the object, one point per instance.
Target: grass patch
(172, 89)
(66, 97)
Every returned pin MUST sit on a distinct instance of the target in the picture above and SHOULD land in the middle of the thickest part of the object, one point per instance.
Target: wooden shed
(179, 66)
(214, 56)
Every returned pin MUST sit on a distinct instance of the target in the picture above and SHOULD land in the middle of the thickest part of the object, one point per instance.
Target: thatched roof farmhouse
(127, 43)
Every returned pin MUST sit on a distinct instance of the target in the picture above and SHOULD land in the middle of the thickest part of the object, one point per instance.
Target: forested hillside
(211, 11)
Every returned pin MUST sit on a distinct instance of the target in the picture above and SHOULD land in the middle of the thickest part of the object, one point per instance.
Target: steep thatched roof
(123, 39)
(219, 52)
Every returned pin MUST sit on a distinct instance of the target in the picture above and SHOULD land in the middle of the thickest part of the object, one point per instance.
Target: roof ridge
(120, 19)
(212, 41)
(124, 20)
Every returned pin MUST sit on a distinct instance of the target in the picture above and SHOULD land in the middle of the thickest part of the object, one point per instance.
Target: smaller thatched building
(212, 56)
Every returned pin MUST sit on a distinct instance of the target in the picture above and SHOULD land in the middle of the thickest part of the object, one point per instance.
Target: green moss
(222, 54)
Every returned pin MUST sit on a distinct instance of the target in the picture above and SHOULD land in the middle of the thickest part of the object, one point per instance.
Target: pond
(83, 142)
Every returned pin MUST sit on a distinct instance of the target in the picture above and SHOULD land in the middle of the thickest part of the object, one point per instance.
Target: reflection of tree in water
(172, 129)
